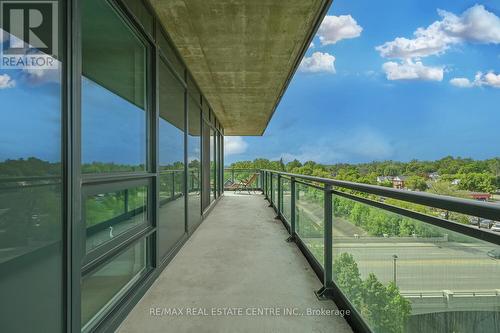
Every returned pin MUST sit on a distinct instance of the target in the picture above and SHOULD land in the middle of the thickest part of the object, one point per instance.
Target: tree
(290, 166)
(383, 307)
(346, 275)
(416, 183)
(398, 309)
(480, 182)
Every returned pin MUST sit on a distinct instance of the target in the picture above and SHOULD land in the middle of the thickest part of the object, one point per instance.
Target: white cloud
(42, 75)
(6, 82)
(3, 35)
(318, 62)
(489, 79)
(410, 70)
(475, 25)
(234, 145)
(429, 41)
(311, 46)
(337, 28)
(461, 82)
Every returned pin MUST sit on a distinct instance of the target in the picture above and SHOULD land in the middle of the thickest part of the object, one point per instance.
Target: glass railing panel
(309, 218)
(286, 196)
(268, 184)
(274, 179)
(404, 275)
(437, 189)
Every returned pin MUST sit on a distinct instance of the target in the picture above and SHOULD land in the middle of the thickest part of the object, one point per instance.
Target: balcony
(394, 267)
(238, 258)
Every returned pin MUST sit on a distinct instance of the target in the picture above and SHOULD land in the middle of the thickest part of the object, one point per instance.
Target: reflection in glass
(113, 92)
(194, 170)
(31, 225)
(171, 136)
(100, 288)
(108, 215)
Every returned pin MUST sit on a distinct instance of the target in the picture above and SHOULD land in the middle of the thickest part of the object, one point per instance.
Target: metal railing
(236, 175)
(296, 198)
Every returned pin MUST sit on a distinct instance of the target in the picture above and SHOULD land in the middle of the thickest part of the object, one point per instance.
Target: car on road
(485, 224)
(495, 254)
(496, 227)
(474, 220)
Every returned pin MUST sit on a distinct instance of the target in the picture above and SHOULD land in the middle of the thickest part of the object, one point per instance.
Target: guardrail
(308, 207)
(238, 175)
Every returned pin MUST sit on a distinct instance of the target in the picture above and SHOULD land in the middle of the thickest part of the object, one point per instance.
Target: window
(212, 153)
(116, 208)
(113, 92)
(104, 285)
(107, 215)
(171, 139)
(194, 158)
(31, 220)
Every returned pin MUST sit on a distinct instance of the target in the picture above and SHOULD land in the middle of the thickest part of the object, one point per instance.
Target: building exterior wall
(89, 218)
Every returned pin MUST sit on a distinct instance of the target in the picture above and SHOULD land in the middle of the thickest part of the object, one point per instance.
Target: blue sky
(370, 89)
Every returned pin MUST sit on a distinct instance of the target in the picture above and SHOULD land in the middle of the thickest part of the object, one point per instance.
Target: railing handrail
(242, 169)
(273, 190)
(14, 179)
(459, 205)
(170, 171)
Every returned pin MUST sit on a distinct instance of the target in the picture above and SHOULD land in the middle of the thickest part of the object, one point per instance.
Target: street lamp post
(394, 258)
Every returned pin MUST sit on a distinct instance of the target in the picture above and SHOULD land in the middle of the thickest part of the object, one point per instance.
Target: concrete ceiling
(242, 53)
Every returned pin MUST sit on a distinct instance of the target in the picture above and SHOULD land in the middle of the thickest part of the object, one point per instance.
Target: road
(426, 266)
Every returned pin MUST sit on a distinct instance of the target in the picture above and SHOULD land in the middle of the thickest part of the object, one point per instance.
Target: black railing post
(232, 175)
(292, 211)
(326, 291)
(264, 185)
(125, 203)
(271, 189)
(173, 184)
(279, 196)
(262, 181)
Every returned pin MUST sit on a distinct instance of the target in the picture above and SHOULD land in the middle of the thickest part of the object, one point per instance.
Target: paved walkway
(237, 263)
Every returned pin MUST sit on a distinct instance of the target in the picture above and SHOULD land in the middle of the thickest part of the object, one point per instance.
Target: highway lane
(426, 266)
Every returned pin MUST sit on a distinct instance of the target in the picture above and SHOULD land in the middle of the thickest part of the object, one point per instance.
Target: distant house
(480, 196)
(434, 176)
(383, 179)
(399, 182)
(455, 181)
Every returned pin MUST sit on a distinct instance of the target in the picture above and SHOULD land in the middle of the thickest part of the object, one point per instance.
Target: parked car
(474, 220)
(496, 227)
(495, 254)
(485, 224)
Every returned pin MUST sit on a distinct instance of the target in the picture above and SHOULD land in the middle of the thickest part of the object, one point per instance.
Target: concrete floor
(237, 261)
